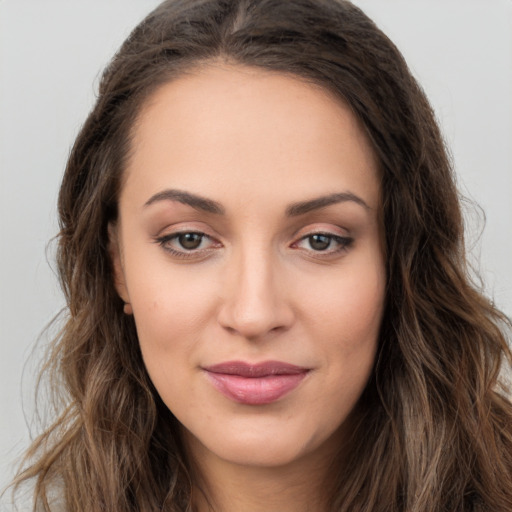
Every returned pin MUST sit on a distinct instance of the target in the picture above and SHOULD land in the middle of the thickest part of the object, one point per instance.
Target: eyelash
(164, 241)
(344, 244)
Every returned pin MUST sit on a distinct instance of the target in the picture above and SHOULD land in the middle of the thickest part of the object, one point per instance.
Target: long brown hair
(435, 427)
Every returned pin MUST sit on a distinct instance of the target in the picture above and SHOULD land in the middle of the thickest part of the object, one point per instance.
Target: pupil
(190, 240)
(319, 242)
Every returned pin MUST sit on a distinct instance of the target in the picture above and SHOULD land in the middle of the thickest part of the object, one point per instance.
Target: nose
(255, 302)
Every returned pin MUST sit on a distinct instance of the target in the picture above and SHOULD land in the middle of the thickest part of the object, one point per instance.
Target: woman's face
(248, 246)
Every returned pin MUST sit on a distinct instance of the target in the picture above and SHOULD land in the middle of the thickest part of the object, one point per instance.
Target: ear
(116, 259)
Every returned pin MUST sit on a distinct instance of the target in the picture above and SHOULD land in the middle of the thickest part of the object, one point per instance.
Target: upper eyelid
(172, 230)
(334, 236)
(176, 234)
(297, 237)
(332, 231)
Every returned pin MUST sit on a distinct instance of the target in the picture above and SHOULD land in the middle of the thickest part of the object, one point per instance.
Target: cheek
(350, 305)
(170, 308)
(345, 318)
(170, 316)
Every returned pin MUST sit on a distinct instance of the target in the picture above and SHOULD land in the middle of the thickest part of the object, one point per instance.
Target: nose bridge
(255, 300)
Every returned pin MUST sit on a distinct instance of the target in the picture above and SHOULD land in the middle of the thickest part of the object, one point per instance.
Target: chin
(264, 447)
(261, 454)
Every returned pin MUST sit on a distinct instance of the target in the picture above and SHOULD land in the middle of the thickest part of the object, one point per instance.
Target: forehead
(248, 128)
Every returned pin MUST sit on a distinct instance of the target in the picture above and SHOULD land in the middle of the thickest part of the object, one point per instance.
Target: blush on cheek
(363, 294)
(358, 303)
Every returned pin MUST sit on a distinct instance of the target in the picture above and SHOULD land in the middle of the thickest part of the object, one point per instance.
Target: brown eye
(319, 242)
(326, 243)
(190, 241)
(194, 245)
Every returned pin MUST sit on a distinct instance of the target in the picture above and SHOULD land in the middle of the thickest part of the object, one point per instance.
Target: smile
(258, 384)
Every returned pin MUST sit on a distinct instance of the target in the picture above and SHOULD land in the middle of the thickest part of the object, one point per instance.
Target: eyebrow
(294, 210)
(193, 200)
(317, 203)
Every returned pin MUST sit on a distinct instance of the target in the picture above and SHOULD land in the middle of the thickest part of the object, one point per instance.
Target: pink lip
(255, 384)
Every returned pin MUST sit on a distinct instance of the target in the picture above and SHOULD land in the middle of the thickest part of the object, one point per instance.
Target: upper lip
(264, 369)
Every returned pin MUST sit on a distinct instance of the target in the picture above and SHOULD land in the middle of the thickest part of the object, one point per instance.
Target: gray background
(51, 54)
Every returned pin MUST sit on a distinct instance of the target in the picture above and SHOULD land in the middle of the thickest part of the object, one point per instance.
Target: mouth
(255, 384)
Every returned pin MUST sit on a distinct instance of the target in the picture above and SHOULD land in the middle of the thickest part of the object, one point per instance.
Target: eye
(324, 242)
(190, 241)
(186, 243)
(319, 242)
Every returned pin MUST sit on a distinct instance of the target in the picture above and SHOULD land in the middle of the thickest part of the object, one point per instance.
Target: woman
(262, 252)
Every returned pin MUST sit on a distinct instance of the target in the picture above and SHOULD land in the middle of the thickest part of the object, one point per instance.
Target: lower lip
(255, 390)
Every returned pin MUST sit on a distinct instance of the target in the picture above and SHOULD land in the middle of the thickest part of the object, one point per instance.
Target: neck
(222, 486)
(260, 490)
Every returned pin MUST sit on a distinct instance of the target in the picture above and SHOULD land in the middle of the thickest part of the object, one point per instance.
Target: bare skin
(249, 231)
